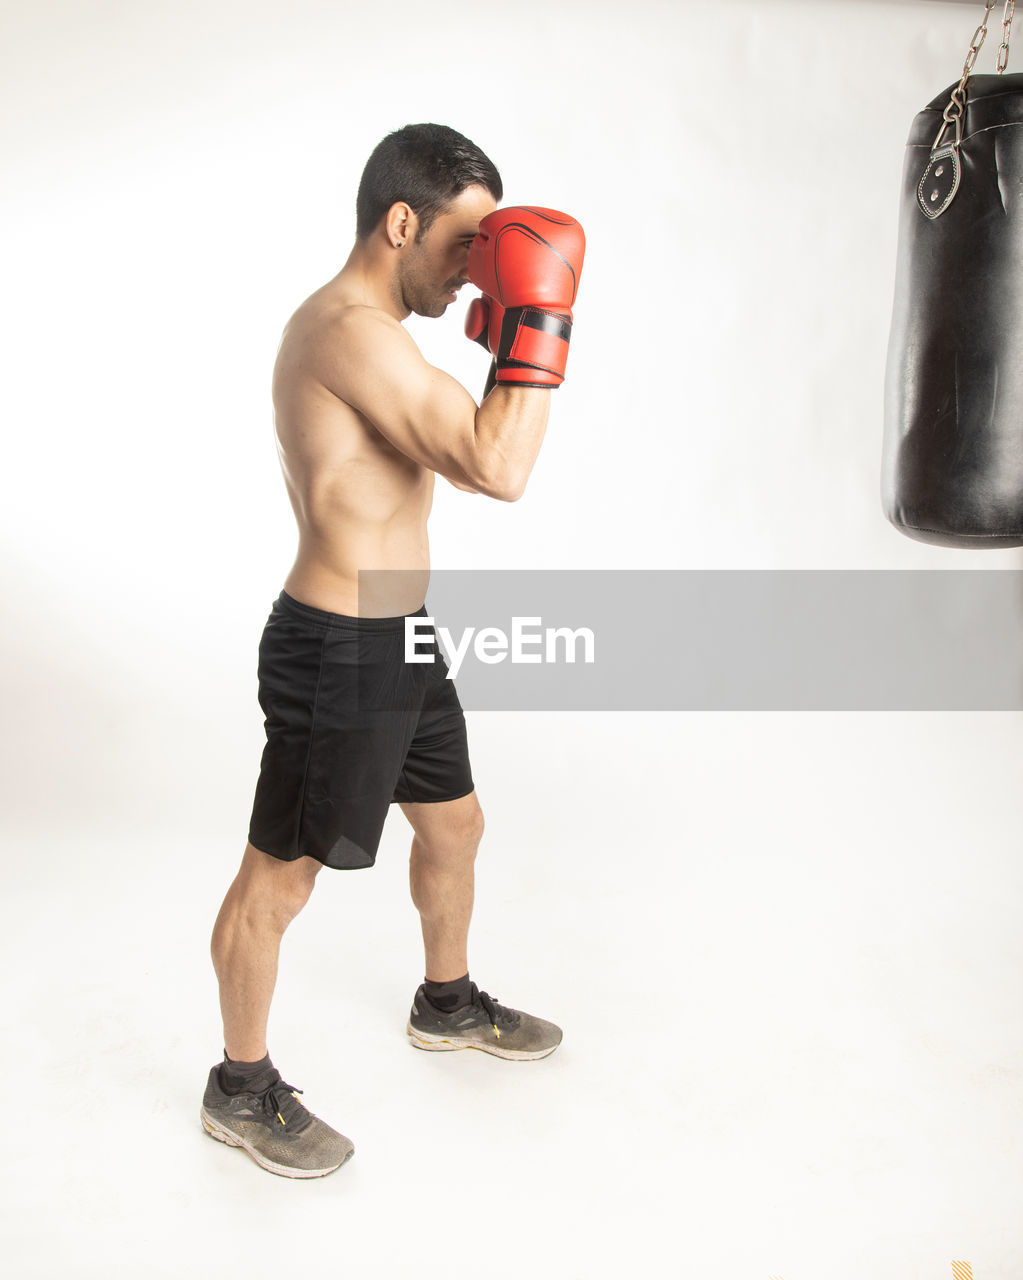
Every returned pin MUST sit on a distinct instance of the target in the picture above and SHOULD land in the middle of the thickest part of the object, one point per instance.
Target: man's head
(426, 166)
(425, 189)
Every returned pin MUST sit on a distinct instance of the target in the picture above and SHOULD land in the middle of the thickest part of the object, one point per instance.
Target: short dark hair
(427, 166)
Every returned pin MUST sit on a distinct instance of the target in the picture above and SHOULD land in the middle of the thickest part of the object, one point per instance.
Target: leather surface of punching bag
(952, 470)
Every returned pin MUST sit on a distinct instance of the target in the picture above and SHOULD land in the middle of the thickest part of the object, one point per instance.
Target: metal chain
(1003, 50)
(977, 43)
(953, 113)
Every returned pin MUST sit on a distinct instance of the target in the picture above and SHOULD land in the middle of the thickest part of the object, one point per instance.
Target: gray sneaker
(273, 1127)
(482, 1024)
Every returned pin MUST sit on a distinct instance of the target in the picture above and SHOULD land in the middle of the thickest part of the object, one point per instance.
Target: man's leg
(441, 874)
(246, 1103)
(441, 877)
(264, 898)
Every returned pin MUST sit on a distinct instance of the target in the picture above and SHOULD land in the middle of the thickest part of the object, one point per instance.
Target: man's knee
(470, 825)
(458, 836)
(275, 890)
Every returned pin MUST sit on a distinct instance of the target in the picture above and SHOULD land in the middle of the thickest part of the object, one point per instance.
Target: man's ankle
(448, 996)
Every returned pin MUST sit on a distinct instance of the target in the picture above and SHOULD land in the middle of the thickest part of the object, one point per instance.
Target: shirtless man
(363, 424)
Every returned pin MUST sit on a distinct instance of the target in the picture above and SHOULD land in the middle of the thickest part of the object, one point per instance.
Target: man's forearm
(510, 427)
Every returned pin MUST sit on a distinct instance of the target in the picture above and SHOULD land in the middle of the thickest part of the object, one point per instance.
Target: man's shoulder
(330, 318)
(336, 338)
(345, 346)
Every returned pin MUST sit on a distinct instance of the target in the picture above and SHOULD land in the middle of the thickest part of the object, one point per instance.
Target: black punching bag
(952, 471)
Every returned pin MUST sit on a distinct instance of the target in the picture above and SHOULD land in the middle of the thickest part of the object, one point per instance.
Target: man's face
(433, 269)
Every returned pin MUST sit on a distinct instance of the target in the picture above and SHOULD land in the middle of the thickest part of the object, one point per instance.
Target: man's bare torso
(359, 502)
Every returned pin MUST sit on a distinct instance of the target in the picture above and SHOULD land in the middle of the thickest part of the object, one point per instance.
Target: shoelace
(280, 1097)
(496, 1012)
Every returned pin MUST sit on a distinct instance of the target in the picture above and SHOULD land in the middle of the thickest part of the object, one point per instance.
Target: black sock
(447, 996)
(239, 1077)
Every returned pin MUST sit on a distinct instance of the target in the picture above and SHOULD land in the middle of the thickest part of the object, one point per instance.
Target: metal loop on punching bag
(947, 123)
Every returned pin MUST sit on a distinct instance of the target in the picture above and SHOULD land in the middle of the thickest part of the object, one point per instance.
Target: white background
(785, 949)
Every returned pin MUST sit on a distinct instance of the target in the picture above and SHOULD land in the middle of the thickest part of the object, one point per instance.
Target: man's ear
(401, 224)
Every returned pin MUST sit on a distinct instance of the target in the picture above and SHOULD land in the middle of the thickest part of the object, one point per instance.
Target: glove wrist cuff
(533, 348)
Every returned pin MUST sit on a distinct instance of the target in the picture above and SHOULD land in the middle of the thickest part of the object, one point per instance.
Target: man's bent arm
(368, 360)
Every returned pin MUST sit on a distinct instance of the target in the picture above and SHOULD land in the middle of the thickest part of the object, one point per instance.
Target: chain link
(977, 43)
(1003, 49)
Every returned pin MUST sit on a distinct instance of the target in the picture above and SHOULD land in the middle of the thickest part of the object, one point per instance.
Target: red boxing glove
(527, 263)
(477, 322)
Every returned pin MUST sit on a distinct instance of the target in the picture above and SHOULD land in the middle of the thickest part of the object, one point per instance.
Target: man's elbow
(497, 476)
(505, 488)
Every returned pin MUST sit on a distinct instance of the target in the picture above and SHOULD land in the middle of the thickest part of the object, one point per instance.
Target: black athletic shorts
(351, 727)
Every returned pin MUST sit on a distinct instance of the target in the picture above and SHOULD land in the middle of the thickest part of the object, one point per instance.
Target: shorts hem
(334, 866)
(459, 795)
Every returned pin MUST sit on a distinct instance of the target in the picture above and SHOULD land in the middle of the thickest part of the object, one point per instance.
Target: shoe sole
(442, 1044)
(222, 1134)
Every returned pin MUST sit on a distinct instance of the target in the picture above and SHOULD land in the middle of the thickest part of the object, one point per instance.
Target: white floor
(785, 950)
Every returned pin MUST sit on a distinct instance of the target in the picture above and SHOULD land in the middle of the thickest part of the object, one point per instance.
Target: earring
(398, 244)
